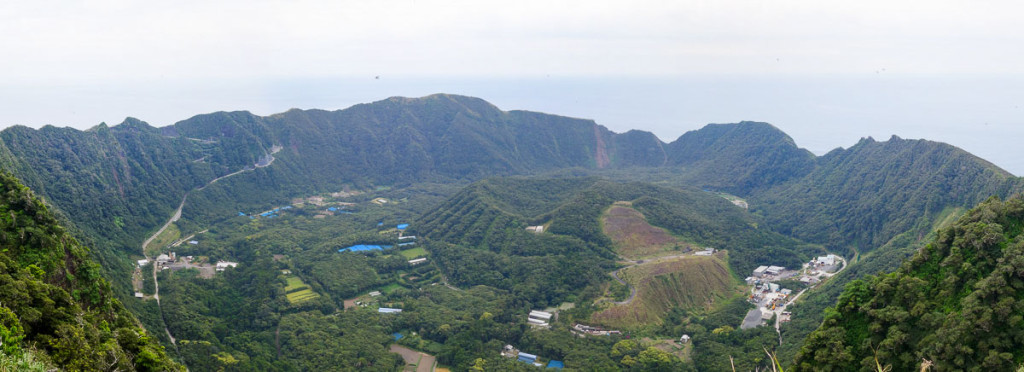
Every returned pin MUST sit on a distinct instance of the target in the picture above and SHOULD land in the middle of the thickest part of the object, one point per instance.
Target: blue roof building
(403, 226)
(364, 247)
(556, 364)
(527, 358)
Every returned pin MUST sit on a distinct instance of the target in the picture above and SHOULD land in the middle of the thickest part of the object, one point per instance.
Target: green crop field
(414, 253)
(297, 291)
(168, 236)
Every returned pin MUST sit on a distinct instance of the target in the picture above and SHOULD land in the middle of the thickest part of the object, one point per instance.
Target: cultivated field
(168, 236)
(691, 282)
(414, 253)
(296, 291)
(633, 236)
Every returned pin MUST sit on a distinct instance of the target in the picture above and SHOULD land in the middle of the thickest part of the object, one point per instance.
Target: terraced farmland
(297, 291)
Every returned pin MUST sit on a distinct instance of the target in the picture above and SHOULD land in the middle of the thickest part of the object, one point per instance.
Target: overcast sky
(826, 72)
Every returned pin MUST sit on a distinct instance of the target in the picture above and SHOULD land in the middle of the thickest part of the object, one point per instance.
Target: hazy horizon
(820, 114)
(827, 74)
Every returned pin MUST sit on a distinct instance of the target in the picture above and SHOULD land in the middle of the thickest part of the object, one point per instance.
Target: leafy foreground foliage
(54, 305)
(958, 303)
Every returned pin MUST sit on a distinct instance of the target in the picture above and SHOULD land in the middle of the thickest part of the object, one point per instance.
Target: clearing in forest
(635, 238)
(297, 291)
(689, 282)
(414, 253)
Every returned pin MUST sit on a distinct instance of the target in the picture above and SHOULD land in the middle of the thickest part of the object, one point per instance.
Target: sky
(826, 72)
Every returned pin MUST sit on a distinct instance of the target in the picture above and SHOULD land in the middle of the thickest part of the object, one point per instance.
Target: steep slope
(956, 303)
(53, 299)
(691, 283)
(861, 197)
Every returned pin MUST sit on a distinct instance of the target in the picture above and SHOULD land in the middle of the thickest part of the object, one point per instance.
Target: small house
(223, 265)
(418, 261)
(388, 310)
(684, 339)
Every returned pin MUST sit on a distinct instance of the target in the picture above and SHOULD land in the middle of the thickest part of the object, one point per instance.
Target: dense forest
(445, 162)
(956, 304)
(55, 307)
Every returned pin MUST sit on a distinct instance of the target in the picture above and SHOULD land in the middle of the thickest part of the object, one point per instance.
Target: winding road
(177, 216)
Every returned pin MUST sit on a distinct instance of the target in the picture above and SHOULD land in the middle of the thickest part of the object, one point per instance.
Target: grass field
(633, 236)
(692, 282)
(297, 291)
(414, 253)
(390, 288)
(168, 236)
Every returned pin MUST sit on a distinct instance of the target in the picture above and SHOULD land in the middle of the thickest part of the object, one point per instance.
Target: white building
(827, 260)
(163, 258)
(542, 315)
(774, 270)
(222, 265)
(418, 261)
(143, 262)
(759, 271)
(684, 339)
(388, 310)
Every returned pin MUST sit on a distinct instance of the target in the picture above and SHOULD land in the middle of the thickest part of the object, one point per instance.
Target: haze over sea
(982, 115)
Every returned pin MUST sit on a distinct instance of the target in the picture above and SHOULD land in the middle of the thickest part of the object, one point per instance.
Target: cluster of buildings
(768, 271)
(539, 318)
(581, 329)
(511, 352)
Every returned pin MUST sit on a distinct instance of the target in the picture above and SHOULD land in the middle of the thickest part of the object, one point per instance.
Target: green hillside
(115, 185)
(956, 303)
(54, 303)
(692, 283)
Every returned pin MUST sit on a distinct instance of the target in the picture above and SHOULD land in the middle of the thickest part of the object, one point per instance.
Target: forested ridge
(955, 304)
(115, 185)
(55, 307)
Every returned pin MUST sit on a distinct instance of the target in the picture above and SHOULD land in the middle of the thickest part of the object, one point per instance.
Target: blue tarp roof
(332, 209)
(397, 336)
(380, 223)
(403, 226)
(241, 214)
(364, 247)
(529, 358)
(556, 364)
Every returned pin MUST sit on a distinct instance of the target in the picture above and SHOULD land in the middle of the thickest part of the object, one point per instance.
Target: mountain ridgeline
(876, 201)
